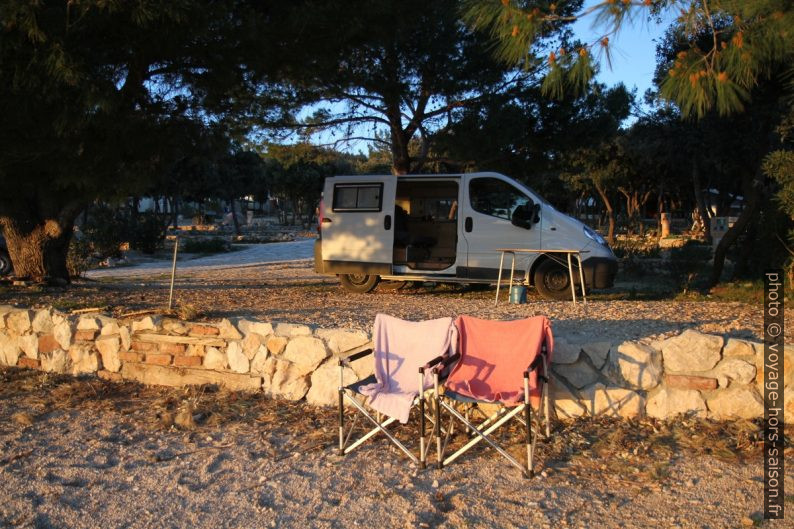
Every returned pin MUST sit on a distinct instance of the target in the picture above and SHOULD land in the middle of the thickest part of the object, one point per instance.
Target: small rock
(435, 484)
(22, 418)
(166, 418)
(184, 419)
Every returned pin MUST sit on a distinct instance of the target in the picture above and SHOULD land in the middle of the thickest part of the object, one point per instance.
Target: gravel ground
(85, 453)
(292, 292)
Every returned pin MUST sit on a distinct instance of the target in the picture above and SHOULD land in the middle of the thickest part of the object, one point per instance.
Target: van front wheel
(359, 283)
(552, 280)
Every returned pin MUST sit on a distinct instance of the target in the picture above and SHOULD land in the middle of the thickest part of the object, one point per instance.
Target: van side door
(358, 223)
(487, 212)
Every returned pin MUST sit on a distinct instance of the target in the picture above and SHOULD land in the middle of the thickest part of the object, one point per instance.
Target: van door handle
(469, 225)
(387, 222)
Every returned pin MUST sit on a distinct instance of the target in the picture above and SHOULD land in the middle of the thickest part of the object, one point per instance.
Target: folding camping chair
(404, 354)
(493, 357)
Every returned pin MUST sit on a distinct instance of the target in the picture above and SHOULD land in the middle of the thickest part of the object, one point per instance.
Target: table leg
(581, 277)
(499, 278)
(570, 275)
(512, 272)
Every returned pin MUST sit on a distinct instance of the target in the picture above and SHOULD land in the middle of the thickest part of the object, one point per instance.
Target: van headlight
(594, 235)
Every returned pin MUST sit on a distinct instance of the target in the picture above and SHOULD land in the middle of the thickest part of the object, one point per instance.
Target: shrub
(690, 264)
(78, 259)
(104, 230)
(213, 245)
(147, 235)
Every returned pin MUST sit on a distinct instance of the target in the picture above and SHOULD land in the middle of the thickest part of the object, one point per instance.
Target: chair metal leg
(422, 454)
(528, 419)
(341, 422)
(437, 425)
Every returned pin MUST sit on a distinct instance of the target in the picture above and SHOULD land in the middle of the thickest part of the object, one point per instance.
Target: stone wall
(690, 373)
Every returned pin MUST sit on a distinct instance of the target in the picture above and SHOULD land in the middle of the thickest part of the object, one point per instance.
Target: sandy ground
(86, 453)
(291, 292)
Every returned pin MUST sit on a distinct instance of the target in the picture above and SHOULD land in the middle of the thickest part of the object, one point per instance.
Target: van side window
(357, 197)
(495, 197)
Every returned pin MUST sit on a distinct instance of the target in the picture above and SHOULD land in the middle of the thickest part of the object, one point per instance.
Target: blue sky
(633, 50)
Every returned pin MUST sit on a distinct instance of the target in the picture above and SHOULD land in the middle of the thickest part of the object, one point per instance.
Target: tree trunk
(752, 201)
(234, 217)
(700, 201)
(610, 214)
(38, 246)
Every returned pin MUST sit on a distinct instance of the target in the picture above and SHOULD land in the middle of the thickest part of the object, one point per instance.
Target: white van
(446, 228)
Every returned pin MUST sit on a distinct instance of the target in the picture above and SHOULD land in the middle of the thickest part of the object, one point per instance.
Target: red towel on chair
(494, 356)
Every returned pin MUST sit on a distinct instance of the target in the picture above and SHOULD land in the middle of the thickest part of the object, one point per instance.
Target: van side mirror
(536, 213)
(522, 216)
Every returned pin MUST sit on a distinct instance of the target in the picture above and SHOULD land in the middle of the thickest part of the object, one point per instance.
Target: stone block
(180, 377)
(109, 348)
(736, 370)
(173, 348)
(187, 361)
(238, 362)
(63, 334)
(736, 347)
(144, 347)
(30, 363)
(291, 330)
(637, 365)
(48, 343)
(578, 374)
(83, 358)
(9, 350)
(55, 362)
(785, 362)
(148, 323)
(612, 401)
(566, 404)
(598, 352)
(669, 402)
(733, 403)
(29, 344)
(228, 331)
(690, 382)
(341, 341)
(158, 359)
(325, 384)
(564, 352)
(18, 322)
(251, 344)
(277, 344)
(42, 322)
(126, 356)
(204, 330)
(256, 327)
(691, 351)
(214, 359)
(258, 361)
(88, 323)
(84, 335)
(306, 353)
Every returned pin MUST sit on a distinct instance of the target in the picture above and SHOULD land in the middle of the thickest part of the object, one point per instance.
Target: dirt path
(85, 453)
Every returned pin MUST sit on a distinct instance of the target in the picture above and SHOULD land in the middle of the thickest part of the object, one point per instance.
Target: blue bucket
(518, 294)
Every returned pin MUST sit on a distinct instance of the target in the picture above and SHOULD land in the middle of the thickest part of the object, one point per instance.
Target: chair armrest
(355, 356)
(439, 363)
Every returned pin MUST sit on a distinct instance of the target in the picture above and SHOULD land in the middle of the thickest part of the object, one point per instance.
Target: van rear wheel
(552, 280)
(359, 283)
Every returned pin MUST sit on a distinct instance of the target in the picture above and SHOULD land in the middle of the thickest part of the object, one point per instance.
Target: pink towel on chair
(401, 348)
(494, 356)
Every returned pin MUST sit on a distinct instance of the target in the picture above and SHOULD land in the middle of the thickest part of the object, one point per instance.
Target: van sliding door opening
(426, 224)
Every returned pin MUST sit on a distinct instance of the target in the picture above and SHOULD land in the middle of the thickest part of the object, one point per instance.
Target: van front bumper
(599, 272)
